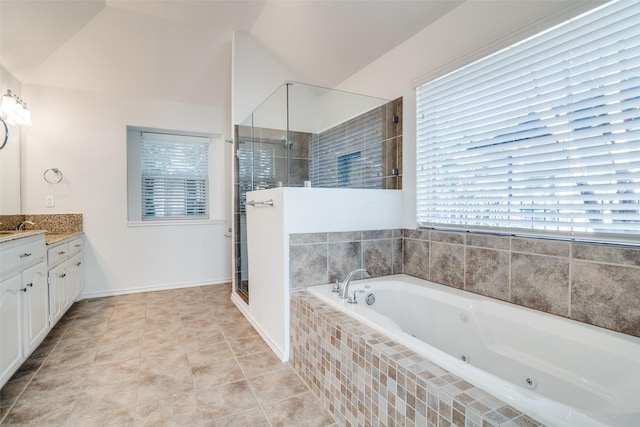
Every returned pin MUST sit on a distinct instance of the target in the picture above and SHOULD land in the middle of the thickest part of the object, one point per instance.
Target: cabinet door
(76, 269)
(10, 327)
(36, 306)
(57, 281)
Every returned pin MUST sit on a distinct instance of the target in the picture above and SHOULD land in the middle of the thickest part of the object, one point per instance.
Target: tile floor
(180, 357)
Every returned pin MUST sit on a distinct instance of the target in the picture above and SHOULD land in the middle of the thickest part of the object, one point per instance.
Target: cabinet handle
(63, 275)
(23, 289)
(24, 255)
(30, 285)
(61, 253)
(77, 246)
(78, 264)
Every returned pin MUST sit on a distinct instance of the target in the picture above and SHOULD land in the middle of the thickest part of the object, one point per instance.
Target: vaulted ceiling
(181, 50)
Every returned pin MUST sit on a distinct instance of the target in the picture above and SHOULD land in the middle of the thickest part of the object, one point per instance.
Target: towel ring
(58, 174)
(6, 133)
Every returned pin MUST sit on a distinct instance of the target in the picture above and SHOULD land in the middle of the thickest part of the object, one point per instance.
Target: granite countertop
(50, 238)
(14, 235)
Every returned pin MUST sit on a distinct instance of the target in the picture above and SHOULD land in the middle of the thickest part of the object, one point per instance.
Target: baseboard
(244, 309)
(126, 291)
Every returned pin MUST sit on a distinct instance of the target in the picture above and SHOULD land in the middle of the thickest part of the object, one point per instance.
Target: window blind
(544, 135)
(174, 176)
(256, 168)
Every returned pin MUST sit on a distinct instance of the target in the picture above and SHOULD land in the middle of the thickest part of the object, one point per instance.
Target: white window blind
(544, 135)
(174, 176)
(256, 168)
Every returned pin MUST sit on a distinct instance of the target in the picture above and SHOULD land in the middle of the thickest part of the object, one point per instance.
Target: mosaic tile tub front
(366, 379)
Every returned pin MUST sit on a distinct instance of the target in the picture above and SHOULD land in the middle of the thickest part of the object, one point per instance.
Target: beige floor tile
(209, 353)
(127, 350)
(247, 345)
(253, 418)
(104, 400)
(11, 391)
(215, 374)
(179, 411)
(225, 400)
(39, 413)
(120, 418)
(197, 338)
(74, 362)
(162, 387)
(238, 329)
(46, 387)
(277, 385)
(114, 372)
(298, 411)
(260, 363)
(116, 324)
(119, 336)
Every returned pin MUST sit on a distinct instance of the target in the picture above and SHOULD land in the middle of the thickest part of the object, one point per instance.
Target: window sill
(175, 222)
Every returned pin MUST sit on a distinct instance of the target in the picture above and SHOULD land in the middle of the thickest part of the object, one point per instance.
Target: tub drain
(530, 383)
(464, 358)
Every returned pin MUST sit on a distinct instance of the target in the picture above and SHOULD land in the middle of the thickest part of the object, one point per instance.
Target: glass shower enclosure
(305, 133)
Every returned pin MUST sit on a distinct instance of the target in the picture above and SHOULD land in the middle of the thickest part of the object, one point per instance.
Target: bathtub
(557, 371)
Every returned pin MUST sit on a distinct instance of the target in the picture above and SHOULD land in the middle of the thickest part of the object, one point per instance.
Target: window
(168, 176)
(543, 136)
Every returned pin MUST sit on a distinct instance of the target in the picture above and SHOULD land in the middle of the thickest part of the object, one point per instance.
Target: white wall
(467, 33)
(84, 135)
(256, 74)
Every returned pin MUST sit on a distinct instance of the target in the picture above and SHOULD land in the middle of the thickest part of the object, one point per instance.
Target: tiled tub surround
(317, 258)
(364, 378)
(590, 283)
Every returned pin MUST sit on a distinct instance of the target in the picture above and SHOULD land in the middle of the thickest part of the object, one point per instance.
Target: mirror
(10, 174)
(9, 156)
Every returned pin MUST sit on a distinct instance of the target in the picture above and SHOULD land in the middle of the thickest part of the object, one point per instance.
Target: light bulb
(8, 104)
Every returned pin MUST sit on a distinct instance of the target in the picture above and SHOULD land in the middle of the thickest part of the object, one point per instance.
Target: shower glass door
(301, 133)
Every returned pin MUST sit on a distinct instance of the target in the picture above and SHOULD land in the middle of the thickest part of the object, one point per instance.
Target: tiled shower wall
(363, 152)
(590, 283)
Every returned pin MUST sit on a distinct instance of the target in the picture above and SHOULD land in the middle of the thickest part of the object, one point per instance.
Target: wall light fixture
(13, 111)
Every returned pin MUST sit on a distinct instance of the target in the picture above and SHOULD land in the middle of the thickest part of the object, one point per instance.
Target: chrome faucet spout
(21, 226)
(344, 289)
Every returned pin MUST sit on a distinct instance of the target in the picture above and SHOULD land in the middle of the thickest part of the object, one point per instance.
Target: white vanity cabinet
(23, 301)
(66, 276)
(36, 306)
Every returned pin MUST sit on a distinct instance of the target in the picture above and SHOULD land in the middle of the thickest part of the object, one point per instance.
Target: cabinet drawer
(20, 254)
(75, 246)
(57, 253)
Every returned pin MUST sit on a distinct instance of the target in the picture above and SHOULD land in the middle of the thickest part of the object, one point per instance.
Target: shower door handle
(260, 203)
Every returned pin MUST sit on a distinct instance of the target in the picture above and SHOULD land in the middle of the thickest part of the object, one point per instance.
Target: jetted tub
(558, 371)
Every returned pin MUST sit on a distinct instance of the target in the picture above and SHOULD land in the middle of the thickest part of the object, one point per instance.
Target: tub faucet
(344, 290)
(21, 226)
